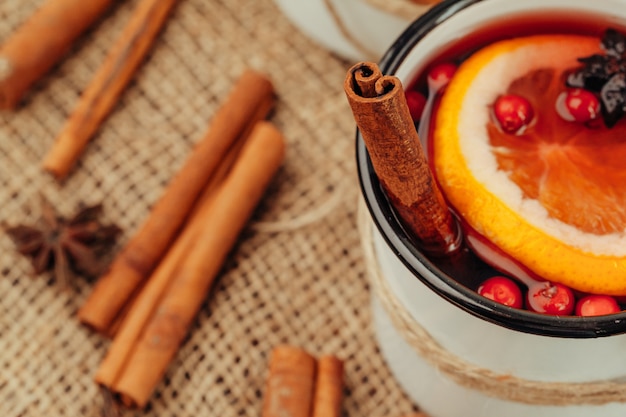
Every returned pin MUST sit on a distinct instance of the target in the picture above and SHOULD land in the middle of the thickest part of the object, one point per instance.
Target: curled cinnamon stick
(250, 101)
(41, 41)
(328, 387)
(382, 115)
(220, 225)
(107, 84)
(290, 383)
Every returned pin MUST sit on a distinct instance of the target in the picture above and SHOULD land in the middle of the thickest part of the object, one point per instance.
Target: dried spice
(605, 75)
(110, 406)
(66, 246)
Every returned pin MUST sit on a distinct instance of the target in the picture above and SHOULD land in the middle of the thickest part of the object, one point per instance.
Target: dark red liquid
(467, 267)
(523, 25)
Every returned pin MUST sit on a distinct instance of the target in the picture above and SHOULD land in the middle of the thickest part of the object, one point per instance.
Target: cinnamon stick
(290, 383)
(230, 208)
(382, 116)
(147, 300)
(328, 387)
(107, 84)
(40, 42)
(250, 101)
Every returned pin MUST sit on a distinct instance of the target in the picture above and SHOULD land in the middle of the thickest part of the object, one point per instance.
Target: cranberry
(597, 305)
(416, 102)
(440, 75)
(578, 105)
(550, 298)
(502, 290)
(513, 113)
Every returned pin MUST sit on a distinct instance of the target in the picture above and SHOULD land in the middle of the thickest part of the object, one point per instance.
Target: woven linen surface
(296, 275)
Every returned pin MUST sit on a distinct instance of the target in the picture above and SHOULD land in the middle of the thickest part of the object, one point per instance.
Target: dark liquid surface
(467, 268)
(524, 25)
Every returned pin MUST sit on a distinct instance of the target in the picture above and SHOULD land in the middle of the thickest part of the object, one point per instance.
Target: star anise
(110, 406)
(605, 75)
(66, 246)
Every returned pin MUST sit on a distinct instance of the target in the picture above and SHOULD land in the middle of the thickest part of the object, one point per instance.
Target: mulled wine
(524, 126)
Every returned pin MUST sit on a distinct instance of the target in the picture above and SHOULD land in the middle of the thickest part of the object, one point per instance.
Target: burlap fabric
(296, 276)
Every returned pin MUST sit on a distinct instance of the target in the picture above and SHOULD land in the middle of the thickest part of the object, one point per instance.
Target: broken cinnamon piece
(41, 41)
(110, 407)
(328, 387)
(220, 225)
(107, 84)
(290, 383)
(251, 100)
(383, 118)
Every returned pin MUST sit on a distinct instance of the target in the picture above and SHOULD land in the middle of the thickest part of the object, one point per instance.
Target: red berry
(416, 102)
(513, 112)
(597, 305)
(550, 298)
(578, 105)
(440, 75)
(502, 290)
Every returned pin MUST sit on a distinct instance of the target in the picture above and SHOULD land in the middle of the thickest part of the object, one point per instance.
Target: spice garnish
(110, 406)
(605, 75)
(66, 246)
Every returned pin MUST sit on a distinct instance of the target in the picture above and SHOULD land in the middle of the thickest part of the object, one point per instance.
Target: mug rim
(410, 255)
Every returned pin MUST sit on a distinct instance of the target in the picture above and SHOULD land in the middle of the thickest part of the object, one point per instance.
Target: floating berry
(605, 75)
(416, 102)
(578, 105)
(550, 298)
(597, 305)
(439, 76)
(502, 290)
(513, 113)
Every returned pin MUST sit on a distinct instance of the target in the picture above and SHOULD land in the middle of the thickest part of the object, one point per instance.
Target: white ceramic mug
(353, 29)
(505, 341)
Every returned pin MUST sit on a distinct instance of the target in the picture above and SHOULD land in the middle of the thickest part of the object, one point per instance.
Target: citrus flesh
(553, 198)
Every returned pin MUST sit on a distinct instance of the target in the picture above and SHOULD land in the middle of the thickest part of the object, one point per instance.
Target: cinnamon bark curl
(382, 115)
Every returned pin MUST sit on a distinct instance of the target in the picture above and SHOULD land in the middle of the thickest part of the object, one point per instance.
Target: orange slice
(554, 197)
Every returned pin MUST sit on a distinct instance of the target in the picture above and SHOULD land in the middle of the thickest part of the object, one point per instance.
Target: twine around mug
(346, 33)
(400, 8)
(503, 386)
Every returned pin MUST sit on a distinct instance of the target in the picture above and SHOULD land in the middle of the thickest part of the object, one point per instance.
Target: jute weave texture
(296, 275)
